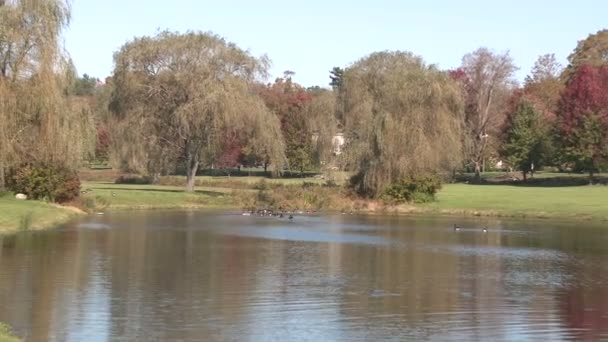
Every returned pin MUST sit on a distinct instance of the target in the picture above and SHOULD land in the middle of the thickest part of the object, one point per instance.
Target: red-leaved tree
(102, 145)
(231, 150)
(287, 100)
(583, 118)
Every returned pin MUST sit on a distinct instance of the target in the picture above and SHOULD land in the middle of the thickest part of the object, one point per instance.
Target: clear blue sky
(310, 37)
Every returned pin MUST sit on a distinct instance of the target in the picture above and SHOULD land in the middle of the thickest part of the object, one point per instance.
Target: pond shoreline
(21, 216)
(393, 211)
(457, 200)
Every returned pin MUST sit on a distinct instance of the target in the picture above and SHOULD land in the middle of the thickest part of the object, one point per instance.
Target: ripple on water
(229, 278)
(303, 234)
(94, 225)
(508, 252)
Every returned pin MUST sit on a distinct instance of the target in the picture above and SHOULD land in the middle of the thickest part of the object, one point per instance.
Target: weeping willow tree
(321, 115)
(401, 118)
(176, 95)
(39, 121)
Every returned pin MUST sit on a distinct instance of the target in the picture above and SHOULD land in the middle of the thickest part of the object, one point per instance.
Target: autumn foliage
(231, 150)
(288, 101)
(583, 117)
(586, 94)
(102, 145)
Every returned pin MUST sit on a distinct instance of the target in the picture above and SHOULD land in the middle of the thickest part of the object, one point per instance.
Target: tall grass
(304, 197)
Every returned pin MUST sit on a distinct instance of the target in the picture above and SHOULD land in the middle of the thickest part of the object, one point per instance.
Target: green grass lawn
(125, 196)
(239, 182)
(7, 338)
(6, 334)
(538, 175)
(567, 202)
(18, 215)
(576, 202)
(257, 179)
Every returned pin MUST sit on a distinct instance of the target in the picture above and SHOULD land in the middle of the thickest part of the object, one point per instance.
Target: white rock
(21, 197)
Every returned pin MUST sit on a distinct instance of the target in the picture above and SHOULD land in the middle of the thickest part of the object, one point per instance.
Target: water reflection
(200, 275)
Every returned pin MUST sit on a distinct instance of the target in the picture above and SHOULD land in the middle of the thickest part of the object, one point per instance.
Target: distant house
(337, 142)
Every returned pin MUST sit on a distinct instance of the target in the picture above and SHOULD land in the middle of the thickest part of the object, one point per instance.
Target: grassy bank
(109, 196)
(583, 202)
(567, 202)
(18, 215)
(571, 202)
(490, 199)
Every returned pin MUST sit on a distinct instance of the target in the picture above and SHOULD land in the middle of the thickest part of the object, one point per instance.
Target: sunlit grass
(584, 202)
(126, 196)
(568, 202)
(16, 215)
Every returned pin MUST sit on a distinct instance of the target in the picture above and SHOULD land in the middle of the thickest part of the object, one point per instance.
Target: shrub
(49, 182)
(261, 185)
(331, 183)
(414, 189)
(134, 179)
(67, 189)
(294, 197)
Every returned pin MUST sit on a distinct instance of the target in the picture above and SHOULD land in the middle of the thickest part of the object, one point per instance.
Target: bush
(414, 189)
(49, 182)
(305, 197)
(134, 179)
(261, 185)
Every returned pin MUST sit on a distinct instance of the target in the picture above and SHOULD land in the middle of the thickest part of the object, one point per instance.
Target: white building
(337, 142)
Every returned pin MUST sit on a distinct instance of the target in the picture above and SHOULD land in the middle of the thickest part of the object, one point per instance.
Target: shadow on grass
(544, 182)
(202, 192)
(253, 172)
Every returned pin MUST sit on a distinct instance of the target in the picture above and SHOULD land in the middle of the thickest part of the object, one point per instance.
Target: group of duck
(269, 213)
(457, 228)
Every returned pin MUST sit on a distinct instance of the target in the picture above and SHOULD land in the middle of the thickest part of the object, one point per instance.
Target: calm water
(167, 276)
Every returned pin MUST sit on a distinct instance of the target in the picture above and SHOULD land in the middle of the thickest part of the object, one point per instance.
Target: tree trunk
(477, 171)
(155, 177)
(2, 180)
(265, 168)
(191, 176)
(525, 174)
(591, 177)
(532, 170)
(191, 168)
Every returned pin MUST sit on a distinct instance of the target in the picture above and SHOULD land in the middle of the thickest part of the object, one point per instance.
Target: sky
(311, 37)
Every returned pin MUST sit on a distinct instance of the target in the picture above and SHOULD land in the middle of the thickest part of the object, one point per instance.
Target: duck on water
(457, 228)
(270, 213)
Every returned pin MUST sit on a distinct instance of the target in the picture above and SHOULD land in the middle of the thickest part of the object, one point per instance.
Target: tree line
(182, 102)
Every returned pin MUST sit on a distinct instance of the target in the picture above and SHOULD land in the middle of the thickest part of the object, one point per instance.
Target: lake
(203, 275)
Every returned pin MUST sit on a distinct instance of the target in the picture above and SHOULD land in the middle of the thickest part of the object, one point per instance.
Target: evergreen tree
(525, 138)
